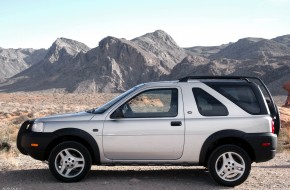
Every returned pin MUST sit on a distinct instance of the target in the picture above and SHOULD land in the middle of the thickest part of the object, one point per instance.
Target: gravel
(20, 173)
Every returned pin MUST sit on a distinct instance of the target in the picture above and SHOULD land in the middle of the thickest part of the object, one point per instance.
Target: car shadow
(113, 179)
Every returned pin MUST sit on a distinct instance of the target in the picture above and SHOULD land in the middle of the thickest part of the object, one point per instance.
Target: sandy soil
(31, 174)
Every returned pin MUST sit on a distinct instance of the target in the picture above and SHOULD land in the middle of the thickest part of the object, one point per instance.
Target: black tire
(70, 161)
(229, 165)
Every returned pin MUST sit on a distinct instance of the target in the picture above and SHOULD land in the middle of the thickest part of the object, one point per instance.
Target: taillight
(266, 144)
(273, 127)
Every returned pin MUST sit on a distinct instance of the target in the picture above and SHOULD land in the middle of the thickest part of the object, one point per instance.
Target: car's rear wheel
(70, 161)
(229, 165)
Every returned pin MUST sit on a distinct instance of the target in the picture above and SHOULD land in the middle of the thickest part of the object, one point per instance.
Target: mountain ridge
(118, 64)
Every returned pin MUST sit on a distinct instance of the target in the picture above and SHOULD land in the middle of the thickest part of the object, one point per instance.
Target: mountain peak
(70, 44)
(250, 39)
(63, 41)
(109, 43)
(162, 46)
(158, 35)
(64, 46)
(109, 39)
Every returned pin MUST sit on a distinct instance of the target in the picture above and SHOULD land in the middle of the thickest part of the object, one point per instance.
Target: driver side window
(152, 103)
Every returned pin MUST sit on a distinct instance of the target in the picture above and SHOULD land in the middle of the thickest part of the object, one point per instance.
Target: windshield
(109, 104)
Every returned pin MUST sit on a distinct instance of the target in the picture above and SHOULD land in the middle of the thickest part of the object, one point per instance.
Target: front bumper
(32, 143)
(263, 144)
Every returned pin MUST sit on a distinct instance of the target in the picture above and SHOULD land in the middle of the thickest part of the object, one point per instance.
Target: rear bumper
(263, 144)
(32, 143)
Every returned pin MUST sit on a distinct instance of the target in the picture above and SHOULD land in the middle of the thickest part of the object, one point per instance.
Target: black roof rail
(185, 79)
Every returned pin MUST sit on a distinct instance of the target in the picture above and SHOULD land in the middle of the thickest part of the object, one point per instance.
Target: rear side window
(208, 105)
(243, 96)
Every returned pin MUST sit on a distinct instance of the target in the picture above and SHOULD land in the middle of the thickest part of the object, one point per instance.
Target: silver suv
(222, 123)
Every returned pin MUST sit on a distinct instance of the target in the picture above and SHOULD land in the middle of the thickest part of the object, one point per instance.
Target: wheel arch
(77, 135)
(223, 137)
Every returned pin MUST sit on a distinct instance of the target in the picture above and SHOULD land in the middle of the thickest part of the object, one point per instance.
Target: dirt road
(270, 175)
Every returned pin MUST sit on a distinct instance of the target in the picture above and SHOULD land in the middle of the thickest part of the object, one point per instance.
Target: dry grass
(284, 136)
(284, 140)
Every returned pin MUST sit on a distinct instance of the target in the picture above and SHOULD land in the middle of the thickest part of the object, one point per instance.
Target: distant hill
(13, 61)
(205, 51)
(118, 64)
(253, 48)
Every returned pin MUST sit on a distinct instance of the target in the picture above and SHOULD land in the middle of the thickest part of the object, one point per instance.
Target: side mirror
(117, 114)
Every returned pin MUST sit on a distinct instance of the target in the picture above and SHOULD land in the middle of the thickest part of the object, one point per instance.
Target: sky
(38, 23)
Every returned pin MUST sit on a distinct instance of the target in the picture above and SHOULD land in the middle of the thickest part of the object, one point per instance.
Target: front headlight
(37, 127)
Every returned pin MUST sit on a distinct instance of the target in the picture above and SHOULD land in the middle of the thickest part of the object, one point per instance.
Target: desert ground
(22, 172)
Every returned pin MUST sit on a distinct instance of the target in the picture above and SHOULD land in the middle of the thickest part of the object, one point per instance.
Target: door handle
(176, 123)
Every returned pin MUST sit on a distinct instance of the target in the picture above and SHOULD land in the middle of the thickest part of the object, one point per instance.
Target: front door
(148, 126)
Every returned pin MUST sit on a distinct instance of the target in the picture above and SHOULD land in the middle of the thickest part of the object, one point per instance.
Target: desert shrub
(7, 115)
(5, 146)
(30, 115)
(8, 135)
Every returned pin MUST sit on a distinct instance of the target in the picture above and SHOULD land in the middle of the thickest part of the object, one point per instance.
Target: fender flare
(84, 136)
(208, 143)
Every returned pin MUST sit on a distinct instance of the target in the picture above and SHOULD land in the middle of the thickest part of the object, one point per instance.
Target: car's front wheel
(70, 161)
(229, 165)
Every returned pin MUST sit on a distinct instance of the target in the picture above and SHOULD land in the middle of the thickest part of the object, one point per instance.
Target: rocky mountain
(267, 59)
(110, 67)
(40, 76)
(13, 61)
(162, 46)
(253, 48)
(118, 64)
(190, 65)
(63, 49)
(283, 40)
